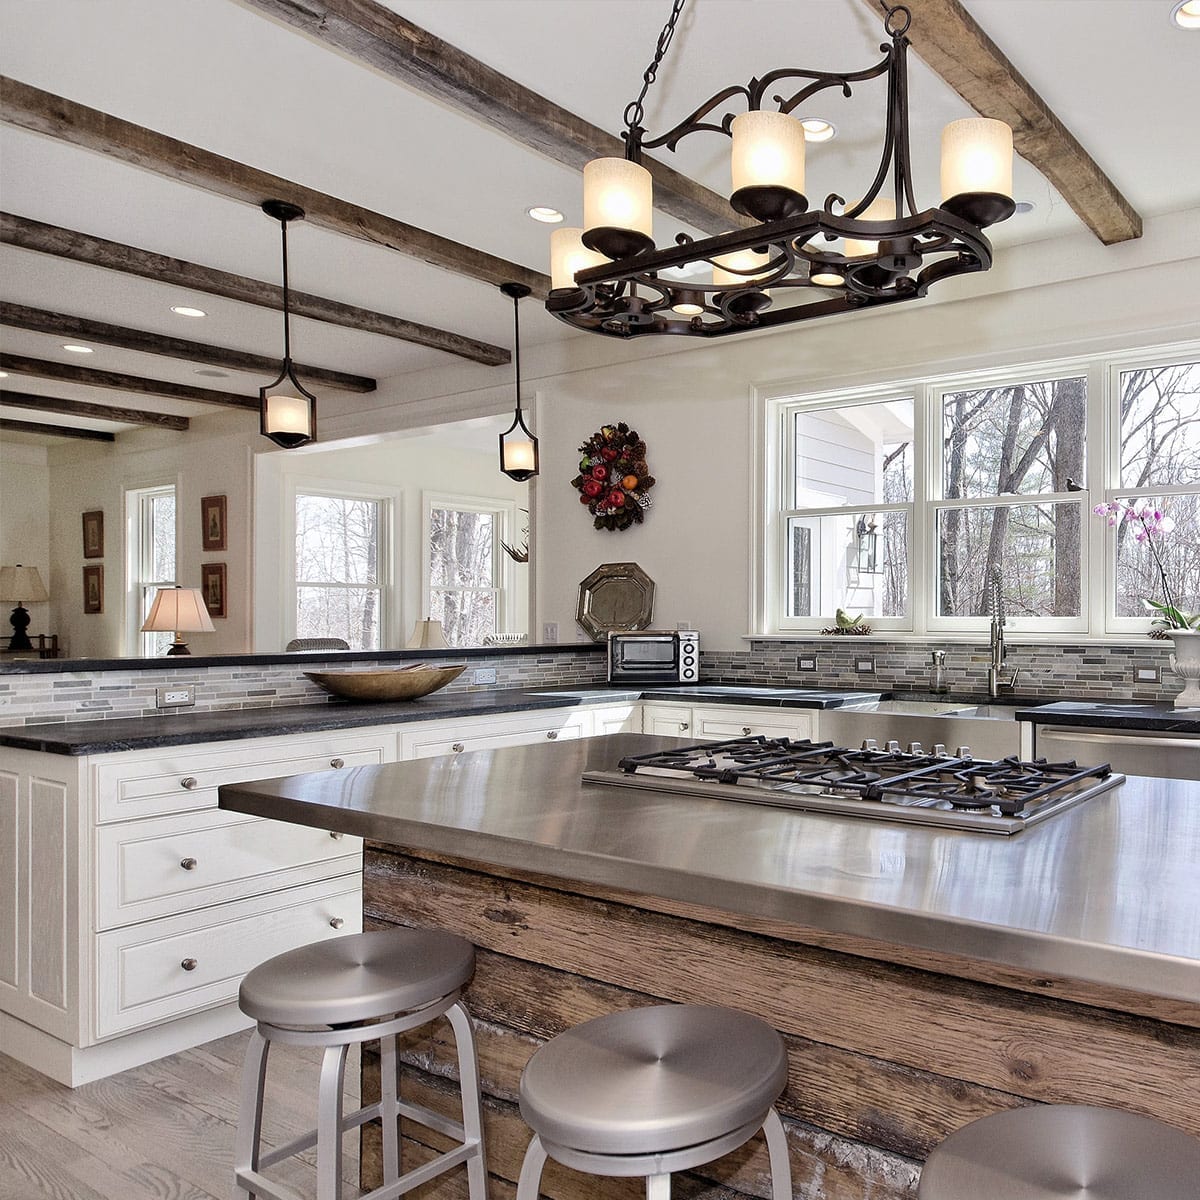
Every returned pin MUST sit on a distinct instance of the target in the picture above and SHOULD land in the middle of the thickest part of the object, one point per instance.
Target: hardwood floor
(163, 1131)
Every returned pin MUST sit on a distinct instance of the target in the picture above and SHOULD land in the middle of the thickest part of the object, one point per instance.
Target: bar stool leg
(329, 1123)
(389, 1112)
(531, 1171)
(472, 1099)
(249, 1127)
(658, 1187)
(777, 1151)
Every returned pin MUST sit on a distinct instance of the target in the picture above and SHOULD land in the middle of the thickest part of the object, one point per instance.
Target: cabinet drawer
(128, 787)
(164, 865)
(455, 738)
(617, 718)
(152, 972)
(717, 723)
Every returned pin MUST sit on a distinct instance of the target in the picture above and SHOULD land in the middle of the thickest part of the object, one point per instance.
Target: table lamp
(427, 635)
(178, 610)
(21, 583)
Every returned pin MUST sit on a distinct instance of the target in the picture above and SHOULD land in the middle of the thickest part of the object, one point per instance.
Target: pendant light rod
(283, 212)
(518, 446)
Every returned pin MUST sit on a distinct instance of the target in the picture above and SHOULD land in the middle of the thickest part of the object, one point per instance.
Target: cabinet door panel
(667, 720)
(719, 723)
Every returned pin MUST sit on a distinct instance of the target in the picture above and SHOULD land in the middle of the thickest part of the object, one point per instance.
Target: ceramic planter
(1185, 662)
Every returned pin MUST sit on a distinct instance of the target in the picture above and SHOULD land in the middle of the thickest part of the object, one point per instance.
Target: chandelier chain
(634, 111)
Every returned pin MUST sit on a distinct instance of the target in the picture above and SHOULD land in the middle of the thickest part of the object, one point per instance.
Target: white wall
(25, 528)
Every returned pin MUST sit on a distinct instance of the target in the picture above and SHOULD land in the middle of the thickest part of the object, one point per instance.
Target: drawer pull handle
(337, 762)
(745, 730)
(188, 864)
(683, 725)
(552, 734)
(188, 782)
(336, 922)
(337, 837)
(189, 964)
(458, 747)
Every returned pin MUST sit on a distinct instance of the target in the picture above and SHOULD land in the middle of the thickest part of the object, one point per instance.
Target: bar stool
(652, 1091)
(335, 994)
(1055, 1151)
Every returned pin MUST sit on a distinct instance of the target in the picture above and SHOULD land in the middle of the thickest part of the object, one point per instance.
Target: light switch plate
(806, 662)
(549, 631)
(865, 666)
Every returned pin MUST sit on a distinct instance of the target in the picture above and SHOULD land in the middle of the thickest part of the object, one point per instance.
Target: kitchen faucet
(998, 648)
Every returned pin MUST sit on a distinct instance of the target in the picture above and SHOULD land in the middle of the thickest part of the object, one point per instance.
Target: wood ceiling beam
(951, 42)
(40, 368)
(42, 112)
(82, 408)
(90, 435)
(28, 234)
(39, 320)
(385, 41)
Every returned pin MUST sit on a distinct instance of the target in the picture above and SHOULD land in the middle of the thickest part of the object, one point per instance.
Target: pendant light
(287, 410)
(518, 446)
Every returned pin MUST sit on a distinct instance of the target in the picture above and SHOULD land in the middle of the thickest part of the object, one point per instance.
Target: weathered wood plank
(38, 236)
(40, 320)
(949, 39)
(40, 368)
(81, 408)
(384, 40)
(88, 435)
(55, 116)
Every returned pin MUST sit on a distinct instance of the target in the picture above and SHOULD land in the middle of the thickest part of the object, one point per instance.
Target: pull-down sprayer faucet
(998, 648)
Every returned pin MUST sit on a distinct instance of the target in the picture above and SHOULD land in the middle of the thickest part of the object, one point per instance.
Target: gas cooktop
(934, 787)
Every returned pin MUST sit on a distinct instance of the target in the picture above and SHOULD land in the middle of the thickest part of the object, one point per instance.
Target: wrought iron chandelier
(287, 410)
(798, 262)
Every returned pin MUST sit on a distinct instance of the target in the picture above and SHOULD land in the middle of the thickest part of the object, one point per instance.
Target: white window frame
(772, 480)
(139, 587)
(503, 568)
(390, 500)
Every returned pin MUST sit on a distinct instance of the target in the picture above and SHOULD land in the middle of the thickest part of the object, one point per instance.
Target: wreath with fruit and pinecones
(614, 479)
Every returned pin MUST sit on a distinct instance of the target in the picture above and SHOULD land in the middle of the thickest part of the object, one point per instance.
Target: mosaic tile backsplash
(1082, 672)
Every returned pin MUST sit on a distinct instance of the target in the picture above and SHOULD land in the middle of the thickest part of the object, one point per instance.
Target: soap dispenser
(937, 672)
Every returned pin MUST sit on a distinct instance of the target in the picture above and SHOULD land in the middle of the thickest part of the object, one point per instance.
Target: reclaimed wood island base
(894, 1042)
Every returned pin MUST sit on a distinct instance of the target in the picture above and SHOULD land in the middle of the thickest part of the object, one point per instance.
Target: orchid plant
(1151, 524)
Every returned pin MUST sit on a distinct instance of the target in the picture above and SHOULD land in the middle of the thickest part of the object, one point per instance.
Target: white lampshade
(569, 256)
(977, 156)
(287, 416)
(882, 208)
(518, 456)
(739, 260)
(768, 151)
(22, 584)
(618, 194)
(427, 635)
(178, 610)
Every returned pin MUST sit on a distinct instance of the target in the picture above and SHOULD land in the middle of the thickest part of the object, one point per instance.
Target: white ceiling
(222, 76)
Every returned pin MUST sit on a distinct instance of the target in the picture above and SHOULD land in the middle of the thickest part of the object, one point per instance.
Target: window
(150, 516)
(896, 503)
(465, 568)
(341, 563)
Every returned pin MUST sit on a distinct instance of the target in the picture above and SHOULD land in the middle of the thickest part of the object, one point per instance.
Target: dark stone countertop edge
(1114, 715)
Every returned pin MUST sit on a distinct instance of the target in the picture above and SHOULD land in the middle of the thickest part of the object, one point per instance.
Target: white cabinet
(617, 718)
(431, 738)
(667, 720)
(714, 722)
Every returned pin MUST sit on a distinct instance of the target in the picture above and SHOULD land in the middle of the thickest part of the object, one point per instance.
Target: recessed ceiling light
(211, 373)
(817, 129)
(1024, 206)
(78, 349)
(548, 216)
(1186, 15)
(184, 311)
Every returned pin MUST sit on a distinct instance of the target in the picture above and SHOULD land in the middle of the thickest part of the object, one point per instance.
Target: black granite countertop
(1114, 714)
(177, 729)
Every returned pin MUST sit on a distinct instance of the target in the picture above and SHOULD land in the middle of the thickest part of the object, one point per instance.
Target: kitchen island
(921, 977)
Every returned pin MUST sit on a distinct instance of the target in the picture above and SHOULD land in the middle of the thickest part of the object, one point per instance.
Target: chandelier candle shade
(890, 250)
(178, 610)
(287, 410)
(518, 446)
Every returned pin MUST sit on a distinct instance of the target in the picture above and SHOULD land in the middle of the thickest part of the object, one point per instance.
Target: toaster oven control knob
(870, 744)
(963, 752)
(893, 747)
(915, 748)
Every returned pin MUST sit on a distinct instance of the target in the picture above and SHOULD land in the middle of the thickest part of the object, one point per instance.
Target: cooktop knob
(963, 752)
(870, 744)
(893, 747)
(915, 748)
(939, 750)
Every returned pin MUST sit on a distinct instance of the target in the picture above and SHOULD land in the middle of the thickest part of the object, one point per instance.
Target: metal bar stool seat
(652, 1091)
(338, 993)
(1061, 1151)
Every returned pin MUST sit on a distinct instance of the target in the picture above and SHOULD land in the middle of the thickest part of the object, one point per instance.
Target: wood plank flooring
(163, 1131)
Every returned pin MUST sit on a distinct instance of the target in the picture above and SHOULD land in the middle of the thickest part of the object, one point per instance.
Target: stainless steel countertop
(1108, 892)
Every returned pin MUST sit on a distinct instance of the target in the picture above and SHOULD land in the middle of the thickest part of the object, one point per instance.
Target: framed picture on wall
(212, 587)
(212, 517)
(93, 589)
(93, 534)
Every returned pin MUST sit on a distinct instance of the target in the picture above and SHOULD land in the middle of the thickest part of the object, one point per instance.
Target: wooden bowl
(406, 683)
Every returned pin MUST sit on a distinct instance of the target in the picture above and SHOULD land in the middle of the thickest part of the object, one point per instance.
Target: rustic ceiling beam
(39, 320)
(40, 368)
(81, 408)
(951, 42)
(385, 41)
(90, 435)
(42, 112)
(28, 234)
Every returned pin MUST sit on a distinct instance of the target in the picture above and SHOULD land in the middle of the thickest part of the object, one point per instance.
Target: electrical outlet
(865, 666)
(1147, 674)
(549, 631)
(174, 697)
(485, 675)
(805, 663)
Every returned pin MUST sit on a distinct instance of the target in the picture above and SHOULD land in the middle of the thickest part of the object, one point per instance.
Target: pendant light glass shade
(569, 256)
(977, 156)
(726, 266)
(767, 163)
(618, 214)
(518, 446)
